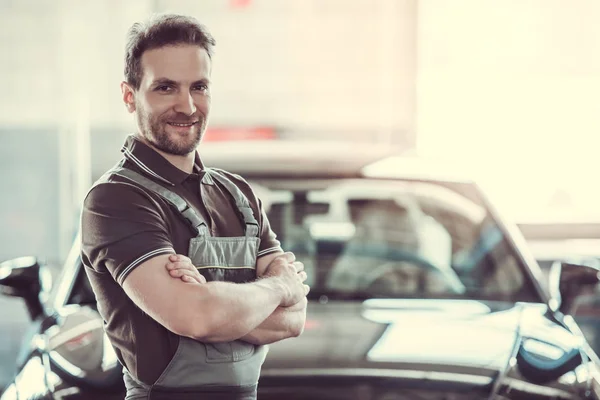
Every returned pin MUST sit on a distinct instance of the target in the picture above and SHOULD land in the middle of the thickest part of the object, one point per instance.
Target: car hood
(446, 336)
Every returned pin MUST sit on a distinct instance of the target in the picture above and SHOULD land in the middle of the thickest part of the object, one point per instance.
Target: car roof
(323, 159)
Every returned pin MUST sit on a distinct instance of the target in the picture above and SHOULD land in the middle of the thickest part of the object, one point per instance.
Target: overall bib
(213, 371)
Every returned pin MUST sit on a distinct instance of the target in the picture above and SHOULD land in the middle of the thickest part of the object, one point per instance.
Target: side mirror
(25, 277)
(542, 362)
(568, 281)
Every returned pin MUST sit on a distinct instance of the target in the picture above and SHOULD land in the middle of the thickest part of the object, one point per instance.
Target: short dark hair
(159, 31)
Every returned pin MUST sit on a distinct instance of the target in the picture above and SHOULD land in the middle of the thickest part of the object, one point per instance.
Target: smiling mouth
(186, 125)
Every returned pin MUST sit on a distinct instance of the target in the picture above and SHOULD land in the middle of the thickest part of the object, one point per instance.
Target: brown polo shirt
(124, 225)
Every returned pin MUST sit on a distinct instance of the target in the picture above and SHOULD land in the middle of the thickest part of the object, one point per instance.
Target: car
(552, 240)
(419, 290)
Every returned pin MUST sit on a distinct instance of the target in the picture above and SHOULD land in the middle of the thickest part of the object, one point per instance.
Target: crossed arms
(267, 310)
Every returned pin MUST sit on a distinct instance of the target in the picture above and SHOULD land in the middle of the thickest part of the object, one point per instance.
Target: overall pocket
(228, 259)
(237, 350)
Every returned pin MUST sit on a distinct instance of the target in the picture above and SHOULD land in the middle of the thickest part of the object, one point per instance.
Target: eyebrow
(167, 81)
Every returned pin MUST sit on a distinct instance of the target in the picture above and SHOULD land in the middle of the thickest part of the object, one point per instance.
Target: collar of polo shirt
(155, 166)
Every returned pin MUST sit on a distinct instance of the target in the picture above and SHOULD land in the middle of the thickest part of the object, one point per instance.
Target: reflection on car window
(396, 239)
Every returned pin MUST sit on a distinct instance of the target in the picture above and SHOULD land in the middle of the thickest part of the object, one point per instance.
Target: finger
(177, 273)
(302, 275)
(188, 279)
(306, 289)
(181, 273)
(181, 265)
(179, 257)
(289, 256)
(196, 278)
(299, 266)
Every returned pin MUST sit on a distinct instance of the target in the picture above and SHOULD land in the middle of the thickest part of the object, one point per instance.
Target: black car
(575, 241)
(419, 291)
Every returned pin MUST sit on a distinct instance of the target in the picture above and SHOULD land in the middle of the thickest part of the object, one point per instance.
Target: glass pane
(392, 238)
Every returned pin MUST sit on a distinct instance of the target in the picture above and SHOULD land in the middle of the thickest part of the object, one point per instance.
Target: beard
(153, 129)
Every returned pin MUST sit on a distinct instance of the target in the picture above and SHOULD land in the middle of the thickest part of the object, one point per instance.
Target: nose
(185, 104)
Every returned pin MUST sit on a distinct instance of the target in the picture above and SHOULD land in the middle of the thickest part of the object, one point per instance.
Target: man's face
(173, 101)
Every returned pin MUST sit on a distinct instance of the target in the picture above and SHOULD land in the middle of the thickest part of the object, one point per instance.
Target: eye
(201, 87)
(163, 88)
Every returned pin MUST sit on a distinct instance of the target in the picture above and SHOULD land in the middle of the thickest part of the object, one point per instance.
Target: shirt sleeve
(121, 228)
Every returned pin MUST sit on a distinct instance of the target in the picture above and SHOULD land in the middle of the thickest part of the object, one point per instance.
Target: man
(160, 216)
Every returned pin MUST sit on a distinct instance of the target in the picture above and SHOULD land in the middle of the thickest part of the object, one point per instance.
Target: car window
(72, 286)
(82, 292)
(396, 239)
(63, 285)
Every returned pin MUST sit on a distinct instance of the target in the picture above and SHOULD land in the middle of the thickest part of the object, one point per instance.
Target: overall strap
(196, 221)
(241, 201)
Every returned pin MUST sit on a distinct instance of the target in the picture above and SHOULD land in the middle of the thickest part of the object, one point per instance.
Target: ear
(128, 96)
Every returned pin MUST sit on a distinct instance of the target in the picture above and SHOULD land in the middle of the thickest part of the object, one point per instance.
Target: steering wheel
(392, 263)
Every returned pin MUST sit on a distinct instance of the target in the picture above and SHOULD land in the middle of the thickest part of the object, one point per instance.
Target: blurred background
(507, 89)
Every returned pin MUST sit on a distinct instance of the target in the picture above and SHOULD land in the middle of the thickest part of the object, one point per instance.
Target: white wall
(306, 66)
(512, 88)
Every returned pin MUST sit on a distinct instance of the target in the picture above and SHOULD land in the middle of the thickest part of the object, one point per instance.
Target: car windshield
(369, 238)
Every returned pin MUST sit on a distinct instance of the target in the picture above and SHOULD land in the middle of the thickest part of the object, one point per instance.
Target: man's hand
(291, 275)
(181, 267)
(286, 321)
(284, 266)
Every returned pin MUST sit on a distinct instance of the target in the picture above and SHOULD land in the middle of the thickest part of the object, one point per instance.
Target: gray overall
(208, 370)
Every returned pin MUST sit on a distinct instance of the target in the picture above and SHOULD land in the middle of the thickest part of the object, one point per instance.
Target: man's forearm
(283, 323)
(241, 308)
